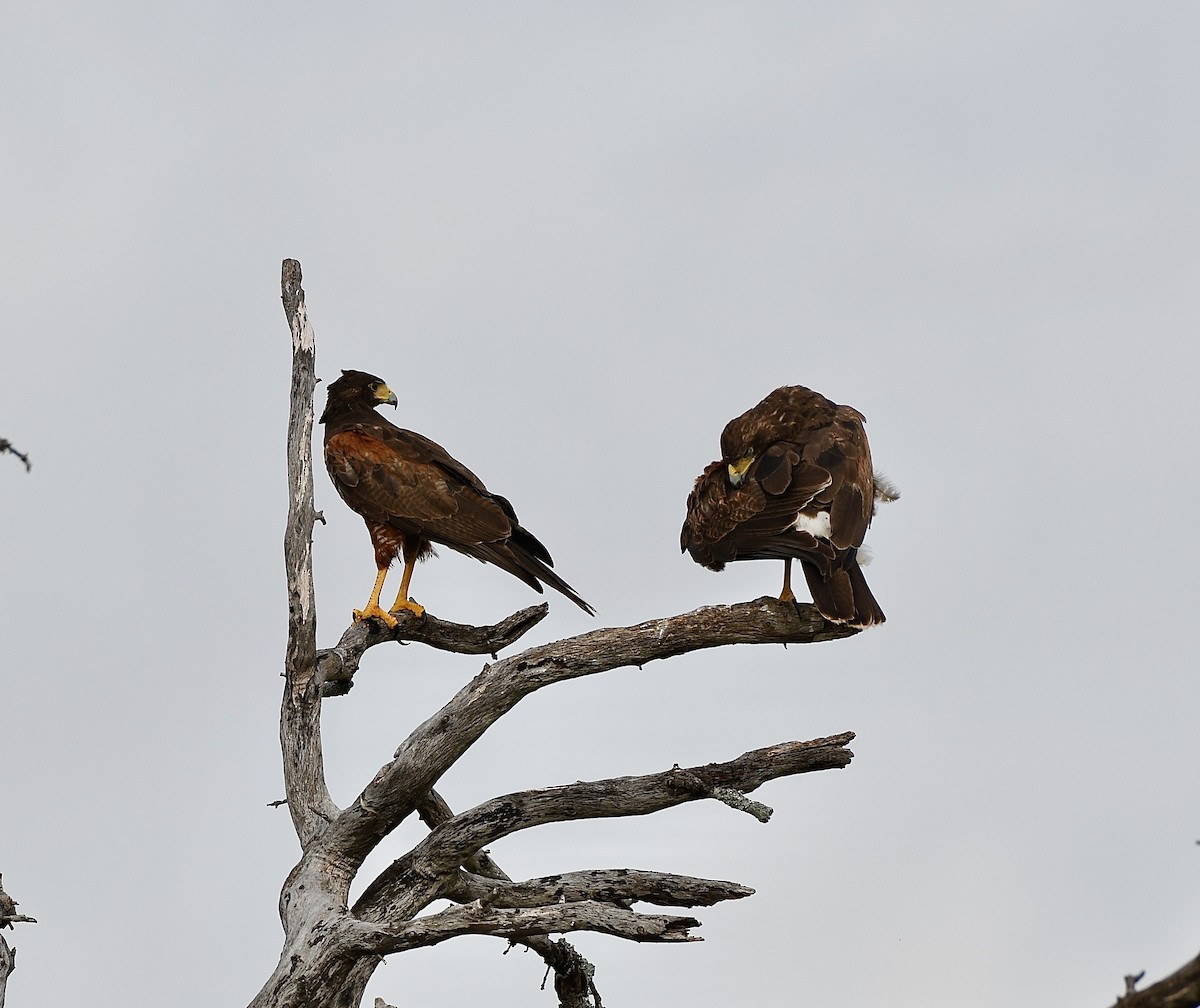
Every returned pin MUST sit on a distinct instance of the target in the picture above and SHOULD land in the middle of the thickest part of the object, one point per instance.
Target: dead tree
(331, 948)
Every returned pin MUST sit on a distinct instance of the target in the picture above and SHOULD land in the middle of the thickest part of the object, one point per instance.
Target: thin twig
(6, 446)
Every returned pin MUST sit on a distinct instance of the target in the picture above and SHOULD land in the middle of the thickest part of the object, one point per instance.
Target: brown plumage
(412, 494)
(794, 481)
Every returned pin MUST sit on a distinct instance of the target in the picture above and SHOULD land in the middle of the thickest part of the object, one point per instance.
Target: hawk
(412, 494)
(794, 482)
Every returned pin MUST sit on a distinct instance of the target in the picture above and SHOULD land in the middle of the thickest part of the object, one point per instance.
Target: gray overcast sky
(576, 239)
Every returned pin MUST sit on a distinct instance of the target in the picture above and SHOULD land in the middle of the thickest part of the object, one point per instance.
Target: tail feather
(511, 557)
(842, 595)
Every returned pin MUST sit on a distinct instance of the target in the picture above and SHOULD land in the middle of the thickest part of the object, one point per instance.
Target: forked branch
(433, 747)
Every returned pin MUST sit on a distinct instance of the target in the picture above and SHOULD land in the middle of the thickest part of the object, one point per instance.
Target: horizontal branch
(412, 881)
(434, 746)
(337, 666)
(513, 925)
(619, 886)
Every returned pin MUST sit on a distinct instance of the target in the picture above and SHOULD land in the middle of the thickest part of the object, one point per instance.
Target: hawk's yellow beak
(385, 395)
(737, 470)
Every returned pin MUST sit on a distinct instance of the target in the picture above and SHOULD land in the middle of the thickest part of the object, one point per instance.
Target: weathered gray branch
(413, 881)
(1179, 990)
(737, 800)
(433, 747)
(560, 918)
(336, 666)
(619, 886)
(573, 974)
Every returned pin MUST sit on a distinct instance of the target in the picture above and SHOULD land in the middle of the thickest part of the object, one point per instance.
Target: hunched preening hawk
(794, 482)
(412, 494)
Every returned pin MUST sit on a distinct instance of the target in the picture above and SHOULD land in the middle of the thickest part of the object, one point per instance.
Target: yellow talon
(375, 612)
(409, 605)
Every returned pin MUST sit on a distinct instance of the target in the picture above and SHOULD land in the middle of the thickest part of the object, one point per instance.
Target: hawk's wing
(403, 479)
(841, 450)
(756, 520)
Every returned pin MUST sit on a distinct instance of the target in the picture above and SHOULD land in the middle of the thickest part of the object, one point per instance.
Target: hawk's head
(357, 388)
(737, 467)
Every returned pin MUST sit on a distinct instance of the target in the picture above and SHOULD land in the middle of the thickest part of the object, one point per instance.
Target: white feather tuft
(885, 490)
(816, 525)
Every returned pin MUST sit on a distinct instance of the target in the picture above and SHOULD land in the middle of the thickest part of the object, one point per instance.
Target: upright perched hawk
(411, 494)
(794, 482)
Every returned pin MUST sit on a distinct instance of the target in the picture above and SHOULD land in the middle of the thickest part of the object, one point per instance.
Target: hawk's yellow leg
(786, 595)
(402, 599)
(373, 608)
